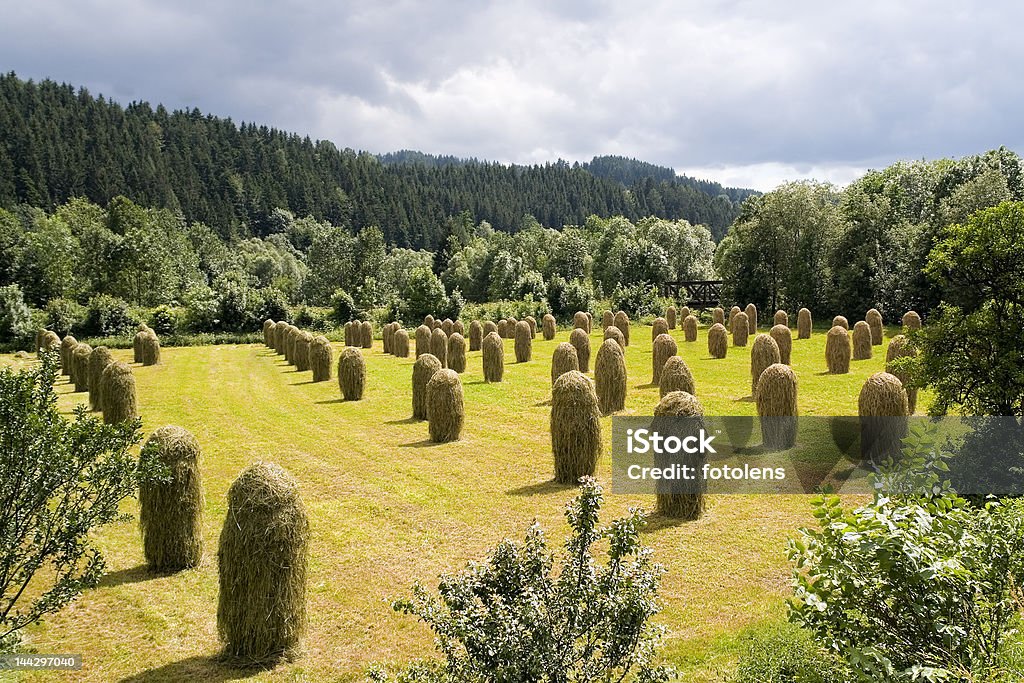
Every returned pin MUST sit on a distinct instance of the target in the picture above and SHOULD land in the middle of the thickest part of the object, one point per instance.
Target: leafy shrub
(637, 300)
(532, 285)
(164, 320)
(568, 297)
(108, 316)
(314, 318)
(15, 316)
(270, 303)
(786, 653)
(344, 307)
(424, 294)
(201, 309)
(63, 315)
(497, 310)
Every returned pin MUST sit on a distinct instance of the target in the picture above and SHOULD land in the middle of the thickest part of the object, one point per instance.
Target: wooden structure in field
(694, 293)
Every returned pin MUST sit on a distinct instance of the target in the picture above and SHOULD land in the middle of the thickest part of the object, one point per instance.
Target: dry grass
(120, 402)
(874, 320)
(882, 406)
(439, 346)
(446, 411)
(457, 352)
(523, 342)
(563, 360)
(476, 335)
(400, 343)
(803, 324)
(861, 341)
(302, 344)
(612, 332)
(718, 316)
(783, 337)
(900, 347)
(911, 321)
(422, 370)
(777, 406)
(659, 326)
(840, 321)
(581, 340)
(764, 353)
(622, 322)
(663, 348)
(575, 427)
(607, 319)
(320, 360)
(676, 376)
(690, 328)
(781, 318)
(581, 320)
(490, 326)
(80, 366)
(548, 326)
(740, 329)
(679, 500)
(423, 334)
(718, 341)
(171, 510)
(670, 317)
(493, 358)
(837, 350)
(610, 377)
(99, 359)
(351, 373)
(751, 313)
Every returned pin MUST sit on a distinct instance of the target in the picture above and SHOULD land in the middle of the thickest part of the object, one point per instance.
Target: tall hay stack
(776, 406)
(67, 346)
(607, 319)
(803, 324)
(733, 312)
(842, 322)
(429, 321)
(350, 337)
(563, 360)
(664, 347)
(262, 560)
(670, 317)
(751, 312)
(141, 334)
(862, 341)
(781, 318)
(575, 427)
(171, 510)
(532, 322)
(80, 364)
(548, 326)
(268, 326)
(493, 352)
(718, 316)
(581, 340)
(764, 353)
(320, 359)
(690, 328)
(740, 329)
(911, 321)
(900, 347)
(302, 345)
(524, 342)
(874, 319)
(882, 406)
(150, 347)
(581, 321)
(276, 337)
(439, 346)
(503, 328)
(49, 341)
(386, 335)
(476, 335)
(679, 499)
(99, 359)
(659, 326)
(718, 341)
(120, 402)
(422, 370)
(622, 322)
(291, 340)
(351, 373)
(512, 322)
(457, 352)
(612, 332)
(837, 351)
(783, 336)
(448, 325)
(423, 334)
(458, 327)
(683, 312)
(488, 327)
(400, 343)
(610, 377)
(366, 334)
(446, 411)
(676, 376)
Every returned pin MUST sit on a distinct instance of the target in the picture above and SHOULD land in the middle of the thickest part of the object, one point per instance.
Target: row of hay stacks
(307, 352)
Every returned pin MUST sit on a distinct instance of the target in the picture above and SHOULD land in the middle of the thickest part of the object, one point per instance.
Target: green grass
(388, 507)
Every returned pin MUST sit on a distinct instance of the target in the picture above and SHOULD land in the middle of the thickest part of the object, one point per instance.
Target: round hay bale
(900, 347)
(803, 324)
(302, 351)
(911, 321)
(718, 341)
(446, 410)
(837, 351)
(581, 321)
(320, 358)
(351, 373)
(670, 317)
(764, 352)
(386, 335)
(524, 342)
(503, 328)
(563, 360)
(457, 352)
(488, 327)
(733, 312)
(610, 377)
(80, 364)
(548, 326)
(268, 325)
(690, 328)
(400, 343)
(439, 346)
(171, 511)
(781, 318)
(607, 319)
(120, 403)
(612, 332)
(422, 370)
(476, 335)
(262, 560)
(99, 359)
(429, 321)
(622, 322)
(874, 320)
(679, 499)
(718, 316)
(150, 348)
(575, 427)
(581, 340)
(663, 348)
(841, 322)
(67, 346)
(659, 326)
(366, 334)
(676, 376)
(493, 352)
(776, 406)
(882, 406)
(448, 325)
(532, 322)
(423, 334)
(783, 337)
(862, 341)
(751, 312)
(740, 329)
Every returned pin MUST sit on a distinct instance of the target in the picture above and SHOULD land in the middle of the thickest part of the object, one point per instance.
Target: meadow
(387, 506)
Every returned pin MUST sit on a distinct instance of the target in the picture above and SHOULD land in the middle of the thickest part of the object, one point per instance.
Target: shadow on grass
(209, 668)
(329, 402)
(299, 384)
(549, 486)
(423, 443)
(124, 577)
(406, 421)
(657, 521)
(540, 404)
(745, 399)
(649, 385)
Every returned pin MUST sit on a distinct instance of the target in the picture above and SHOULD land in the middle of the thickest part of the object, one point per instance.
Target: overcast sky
(746, 93)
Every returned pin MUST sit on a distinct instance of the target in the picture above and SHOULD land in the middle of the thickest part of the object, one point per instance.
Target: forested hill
(58, 142)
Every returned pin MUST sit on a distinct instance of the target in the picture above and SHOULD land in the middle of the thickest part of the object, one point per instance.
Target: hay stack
(803, 324)
(580, 320)
(581, 340)
(861, 341)
(488, 327)
(622, 322)
(911, 321)
(305, 340)
(874, 320)
(439, 346)
(690, 328)
(67, 347)
(718, 316)
(422, 370)
(429, 321)
(120, 403)
(50, 342)
(548, 326)
(740, 329)
(351, 373)
(763, 353)
(276, 337)
(680, 499)
(366, 334)
(493, 357)
(532, 322)
(99, 359)
(612, 332)
(718, 341)
(670, 317)
(524, 342)
(320, 358)
(610, 377)
(900, 347)
(262, 559)
(783, 336)
(446, 410)
(664, 347)
(137, 345)
(659, 326)
(842, 322)
(837, 351)
(386, 335)
(503, 328)
(607, 319)
(751, 312)
(348, 334)
(458, 327)
(883, 411)
(676, 376)
(776, 406)
(512, 322)
(733, 312)
(291, 340)
(150, 348)
(171, 511)
(400, 343)
(448, 325)
(685, 311)
(457, 352)
(563, 360)
(476, 335)
(575, 427)
(423, 333)
(268, 326)
(80, 364)
(781, 318)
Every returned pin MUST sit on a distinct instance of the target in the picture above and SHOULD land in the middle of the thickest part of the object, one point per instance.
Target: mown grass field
(388, 507)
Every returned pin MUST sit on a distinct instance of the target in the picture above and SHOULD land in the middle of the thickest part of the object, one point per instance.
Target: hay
(679, 499)
(841, 321)
(532, 322)
(563, 360)
(99, 359)
(685, 311)
(740, 329)
(423, 333)
(320, 359)
(422, 370)
(612, 332)
(733, 312)
(448, 326)
(503, 328)
(476, 335)
(718, 316)
(783, 337)
(764, 352)
(776, 406)
(663, 348)
(268, 326)
(436, 325)
(80, 366)
(386, 335)
(446, 410)
(524, 342)
(751, 312)
(581, 321)
(862, 341)
(610, 377)
(171, 511)
(439, 346)
(575, 427)
(429, 321)
(488, 327)
(493, 352)
(622, 322)
(911, 321)
(837, 351)
(781, 318)
(277, 337)
(882, 406)
(137, 346)
(67, 346)
(874, 320)
(676, 376)
(659, 326)
(349, 337)
(366, 334)
(607, 319)
(803, 324)
(262, 560)
(457, 352)
(120, 403)
(718, 341)
(511, 327)
(302, 351)
(900, 347)
(548, 326)
(291, 337)
(581, 340)
(670, 317)
(351, 373)
(400, 343)
(150, 348)
(690, 328)
(459, 328)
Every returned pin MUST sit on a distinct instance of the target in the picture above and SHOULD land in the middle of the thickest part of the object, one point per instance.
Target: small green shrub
(786, 653)
(637, 300)
(344, 307)
(64, 315)
(164, 320)
(16, 324)
(108, 316)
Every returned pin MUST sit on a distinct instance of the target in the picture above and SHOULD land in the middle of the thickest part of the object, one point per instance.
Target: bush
(422, 295)
(637, 300)
(786, 653)
(15, 316)
(108, 316)
(63, 315)
(201, 309)
(313, 318)
(270, 302)
(344, 307)
(164, 320)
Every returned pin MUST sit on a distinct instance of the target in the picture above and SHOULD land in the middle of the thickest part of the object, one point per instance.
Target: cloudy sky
(747, 93)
